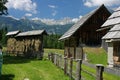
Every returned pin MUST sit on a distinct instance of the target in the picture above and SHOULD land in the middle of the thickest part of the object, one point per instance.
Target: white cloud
(26, 5)
(36, 18)
(28, 14)
(76, 19)
(54, 13)
(63, 21)
(91, 3)
(52, 6)
(80, 16)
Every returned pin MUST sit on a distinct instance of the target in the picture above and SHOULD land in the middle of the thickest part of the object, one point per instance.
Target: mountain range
(25, 24)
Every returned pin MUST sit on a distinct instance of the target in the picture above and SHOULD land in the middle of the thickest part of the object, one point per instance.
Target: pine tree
(3, 37)
(3, 8)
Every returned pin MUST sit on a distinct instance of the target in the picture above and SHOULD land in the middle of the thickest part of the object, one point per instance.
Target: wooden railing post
(99, 71)
(60, 61)
(71, 65)
(52, 57)
(49, 56)
(55, 59)
(78, 69)
(65, 65)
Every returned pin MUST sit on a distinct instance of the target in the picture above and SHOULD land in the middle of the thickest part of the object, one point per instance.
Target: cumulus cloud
(28, 14)
(26, 5)
(91, 3)
(52, 6)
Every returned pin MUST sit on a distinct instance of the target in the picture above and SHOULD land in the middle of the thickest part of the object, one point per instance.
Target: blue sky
(55, 9)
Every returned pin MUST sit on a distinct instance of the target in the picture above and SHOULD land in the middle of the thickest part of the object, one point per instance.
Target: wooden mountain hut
(113, 38)
(30, 43)
(11, 42)
(84, 31)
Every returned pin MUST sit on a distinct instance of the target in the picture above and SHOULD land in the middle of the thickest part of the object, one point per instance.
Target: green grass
(96, 55)
(58, 51)
(16, 68)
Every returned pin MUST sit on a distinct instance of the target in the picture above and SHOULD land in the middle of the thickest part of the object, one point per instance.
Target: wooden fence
(73, 67)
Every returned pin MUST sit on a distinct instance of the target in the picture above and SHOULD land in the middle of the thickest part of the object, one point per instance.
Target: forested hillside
(51, 41)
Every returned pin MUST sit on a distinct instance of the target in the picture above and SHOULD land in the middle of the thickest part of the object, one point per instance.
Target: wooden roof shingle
(11, 33)
(32, 33)
(114, 33)
(113, 19)
(80, 23)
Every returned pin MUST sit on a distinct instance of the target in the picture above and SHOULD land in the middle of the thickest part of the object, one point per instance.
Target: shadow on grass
(7, 77)
(15, 60)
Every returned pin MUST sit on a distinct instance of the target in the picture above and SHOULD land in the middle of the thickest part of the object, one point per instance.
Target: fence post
(49, 56)
(60, 61)
(65, 65)
(78, 69)
(52, 57)
(55, 59)
(99, 71)
(71, 65)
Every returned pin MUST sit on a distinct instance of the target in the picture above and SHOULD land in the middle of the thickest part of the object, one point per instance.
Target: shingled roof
(80, 23)
(11, 33)
(113, 19)
(32, 33)
(114, 33)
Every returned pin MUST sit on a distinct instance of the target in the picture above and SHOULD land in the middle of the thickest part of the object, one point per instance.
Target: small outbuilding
(11, 42)
(112, 38)
(29, 44)
(84, 32)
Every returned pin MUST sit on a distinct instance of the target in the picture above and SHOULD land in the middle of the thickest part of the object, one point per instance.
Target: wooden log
(55, 59)
(71, 65)
(78, 69)
(52, 57)
(60, 61)
(99, 71)
(65, 65)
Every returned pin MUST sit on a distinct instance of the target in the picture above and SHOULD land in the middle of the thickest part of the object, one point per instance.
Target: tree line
(51, 41)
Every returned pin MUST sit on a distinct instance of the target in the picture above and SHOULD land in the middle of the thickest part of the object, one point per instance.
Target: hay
(29, 46)
(37, 45)
(11, 45)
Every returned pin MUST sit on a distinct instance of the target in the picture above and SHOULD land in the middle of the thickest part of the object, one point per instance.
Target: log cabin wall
(88, 33)
(116, 52)
(70, 47)
(85, 31)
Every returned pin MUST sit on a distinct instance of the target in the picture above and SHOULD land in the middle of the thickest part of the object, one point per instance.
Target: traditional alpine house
(29, 44)
(84, 31)
(113, 38)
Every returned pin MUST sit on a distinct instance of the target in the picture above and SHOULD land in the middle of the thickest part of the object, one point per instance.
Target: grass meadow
(19, 68)
(95, 55)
